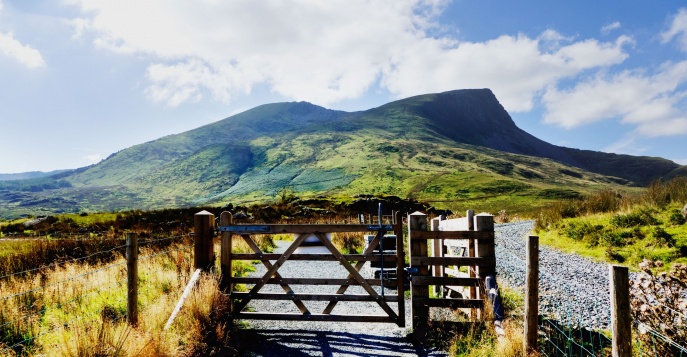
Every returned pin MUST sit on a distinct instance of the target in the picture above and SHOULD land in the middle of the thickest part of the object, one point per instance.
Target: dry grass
(80, 310)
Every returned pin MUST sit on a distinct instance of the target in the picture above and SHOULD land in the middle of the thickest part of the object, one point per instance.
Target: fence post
(621, 324)
(225, 219)
(132, 278)
(400, 276)
(418, 248)
(485, 248)
(470, 216)
(532, 296)
(437, 251)
(203, 230)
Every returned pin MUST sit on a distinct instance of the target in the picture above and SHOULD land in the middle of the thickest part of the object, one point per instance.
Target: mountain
(455, 149)
(29, 175)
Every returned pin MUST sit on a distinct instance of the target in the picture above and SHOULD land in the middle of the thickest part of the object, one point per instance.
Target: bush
(676, 218)
(661, 238)
(585, 232)
(641, 217)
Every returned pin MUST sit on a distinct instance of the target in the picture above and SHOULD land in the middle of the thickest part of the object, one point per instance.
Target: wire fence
(49, 301)
(566, 329)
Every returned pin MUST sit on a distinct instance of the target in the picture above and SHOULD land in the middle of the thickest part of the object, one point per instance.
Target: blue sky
(82, 79)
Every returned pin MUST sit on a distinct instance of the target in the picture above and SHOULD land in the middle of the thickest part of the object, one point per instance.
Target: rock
(684, 211)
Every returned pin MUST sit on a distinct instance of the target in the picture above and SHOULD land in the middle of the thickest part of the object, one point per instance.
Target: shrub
(641, 217)
(605, 201)
(585, 232)
(661, 238)
(676, 218)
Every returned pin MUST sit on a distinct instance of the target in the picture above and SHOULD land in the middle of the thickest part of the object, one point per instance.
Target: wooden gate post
(418, 248)
(203, 228)
(437, 251)
(621, 323)
(132, 278)
(531, 296)
(400, 276)
(226, 219)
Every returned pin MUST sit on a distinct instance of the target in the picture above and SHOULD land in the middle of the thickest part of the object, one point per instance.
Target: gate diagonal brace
(287, 289)
(270, 272)
(358, 266)
(356, 275)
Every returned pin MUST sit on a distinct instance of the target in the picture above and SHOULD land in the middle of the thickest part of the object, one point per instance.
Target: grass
(464, 338)
(619, 228)
(79, 308)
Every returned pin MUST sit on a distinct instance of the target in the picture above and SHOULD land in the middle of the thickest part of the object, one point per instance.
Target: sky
(82, 79)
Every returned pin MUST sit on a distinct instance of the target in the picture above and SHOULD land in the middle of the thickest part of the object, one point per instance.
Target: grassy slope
(407, 148)
(627, 229)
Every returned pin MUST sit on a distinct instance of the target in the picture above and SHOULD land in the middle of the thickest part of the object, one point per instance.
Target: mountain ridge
(458, 145)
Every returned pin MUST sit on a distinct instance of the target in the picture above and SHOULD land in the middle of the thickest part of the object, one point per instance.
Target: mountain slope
(449, 148)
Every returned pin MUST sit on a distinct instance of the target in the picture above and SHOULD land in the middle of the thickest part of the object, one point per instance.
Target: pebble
(572, 289)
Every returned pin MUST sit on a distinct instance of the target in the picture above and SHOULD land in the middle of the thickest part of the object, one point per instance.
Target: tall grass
(79, 309)
(658, 194)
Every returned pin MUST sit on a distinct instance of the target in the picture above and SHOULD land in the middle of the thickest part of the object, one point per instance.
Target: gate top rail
(303, 228)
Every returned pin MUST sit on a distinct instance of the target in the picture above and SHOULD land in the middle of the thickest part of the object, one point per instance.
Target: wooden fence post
(226, 219)
(132, 278)
(621, 324)
(203, 230)
(437, 251)
(400, 276)
(532, 296)
(418, 248)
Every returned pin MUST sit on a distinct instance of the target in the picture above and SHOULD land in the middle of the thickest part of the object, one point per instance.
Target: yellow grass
(80, 310)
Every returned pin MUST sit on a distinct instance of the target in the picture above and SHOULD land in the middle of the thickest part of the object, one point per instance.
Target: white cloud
(93, 159)
(681, 161)
(626, 145)
(677, 30)
(24, 54)
(326, 52)
(516, 68)
(651, 102)
(610, 27)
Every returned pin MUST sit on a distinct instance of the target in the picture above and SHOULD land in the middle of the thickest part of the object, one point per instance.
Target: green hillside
(456, 149)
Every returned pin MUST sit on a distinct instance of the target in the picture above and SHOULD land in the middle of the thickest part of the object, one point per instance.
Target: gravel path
(310, 338)
(572, 288)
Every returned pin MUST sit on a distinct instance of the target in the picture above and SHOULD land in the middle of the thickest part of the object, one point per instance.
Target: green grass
(621, 228)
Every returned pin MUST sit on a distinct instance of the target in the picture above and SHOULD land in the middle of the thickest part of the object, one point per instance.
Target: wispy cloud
(650, 102)
(677, 30)
(626, 145)
(93, 159)
(24, 54)
(610, 27)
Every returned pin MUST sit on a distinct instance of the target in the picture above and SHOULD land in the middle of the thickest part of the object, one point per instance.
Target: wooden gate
(272, 262)
(474, 237)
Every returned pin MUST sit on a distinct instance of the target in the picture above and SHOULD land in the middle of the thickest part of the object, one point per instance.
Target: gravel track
(572, 288)
(312, 338)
